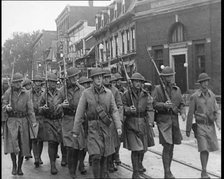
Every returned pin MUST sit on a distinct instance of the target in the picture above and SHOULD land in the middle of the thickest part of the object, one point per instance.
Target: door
(181, 75)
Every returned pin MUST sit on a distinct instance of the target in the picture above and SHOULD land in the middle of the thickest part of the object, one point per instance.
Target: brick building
(184, 34)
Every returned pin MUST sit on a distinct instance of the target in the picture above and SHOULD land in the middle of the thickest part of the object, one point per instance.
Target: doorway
(181, 74)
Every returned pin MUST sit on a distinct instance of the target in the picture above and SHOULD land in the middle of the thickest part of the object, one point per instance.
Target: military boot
(96, 166)
(110, 164)
(70, 161)
(141, 168)
(166, 165)
(103, 168)
(204, 174)
(14, 165)
(64, 155)
(52, 152)
(40, 149)
(81, 162)
(135, 164)
(35, 153)
(20, 163)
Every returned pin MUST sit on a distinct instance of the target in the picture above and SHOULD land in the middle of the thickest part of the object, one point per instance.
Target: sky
(29, 16)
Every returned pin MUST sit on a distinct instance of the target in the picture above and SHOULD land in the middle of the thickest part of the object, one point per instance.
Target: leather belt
(53, 117)
(17, 114)
(209, 123)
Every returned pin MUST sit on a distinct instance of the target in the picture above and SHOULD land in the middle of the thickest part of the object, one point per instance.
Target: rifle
(46, 91)
(160, 79)
(129, 83)
(13, 67)
(65, 79)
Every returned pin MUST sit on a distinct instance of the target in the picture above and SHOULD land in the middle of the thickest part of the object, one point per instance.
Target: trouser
(99, 165)
(82, 154)
(72, 160)
(64, 154)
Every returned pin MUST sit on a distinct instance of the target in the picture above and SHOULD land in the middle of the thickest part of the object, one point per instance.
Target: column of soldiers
(96, 114)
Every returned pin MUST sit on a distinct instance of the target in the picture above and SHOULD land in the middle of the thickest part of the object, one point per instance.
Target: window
(122, 41)
(133, 38)
(102, 20)
(200, 59)
(111, 47)
(115, 11)
(96, 22)
(123, 6)
(116, 45)
(158, 55)
(107, 49)
(128, 40)
(177, 33)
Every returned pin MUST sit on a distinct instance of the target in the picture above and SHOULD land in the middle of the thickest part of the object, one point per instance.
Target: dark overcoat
(16, 127)
(99, 139)
(167, 121)
(136, 125)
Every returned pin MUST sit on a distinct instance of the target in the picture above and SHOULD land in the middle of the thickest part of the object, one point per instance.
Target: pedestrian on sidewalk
(139, 121)
(18, 106)
(75, 146)
(166, 116)
(204, 107)
(52, 112)
(98, 103)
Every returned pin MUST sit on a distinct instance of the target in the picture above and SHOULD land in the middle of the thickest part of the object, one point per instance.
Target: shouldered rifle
(129, 83)
(13, 67)
(168, 100)
(65, 79)
(46, 86)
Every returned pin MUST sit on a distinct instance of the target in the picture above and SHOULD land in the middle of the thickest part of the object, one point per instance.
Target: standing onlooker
(98, 103)
(204, 107)
(166, 117)
(16, 102)
(139, 118)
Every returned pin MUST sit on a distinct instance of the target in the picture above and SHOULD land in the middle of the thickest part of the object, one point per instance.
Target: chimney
(90, 3)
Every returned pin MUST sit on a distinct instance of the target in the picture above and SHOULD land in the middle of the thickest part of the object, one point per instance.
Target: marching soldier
(204, 107)
(52, 111)
(118, 101)
(37, 144)
(99, 105)
(118, 83)
(166, 117)
(27, 84)
(16, 102)
(5, 85)
(86, 82)
(75, 146)
(139, 120)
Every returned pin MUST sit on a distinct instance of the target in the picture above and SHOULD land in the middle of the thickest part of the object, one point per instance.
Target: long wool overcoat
(52, 116)
(136, 126)
(16, 127)
(167, 121)
(99, 139)
(74, 94)
(204, 108)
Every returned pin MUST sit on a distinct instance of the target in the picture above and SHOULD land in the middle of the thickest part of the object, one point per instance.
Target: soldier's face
(17, 84)
(52, 84)
(37, 84)
(204, 84)
(137, 83)
(97, 80)
(118, 82)
(86, 85)
(106, 80)
(28, 87)
(169, 79)
(113, 83)
(73, 79)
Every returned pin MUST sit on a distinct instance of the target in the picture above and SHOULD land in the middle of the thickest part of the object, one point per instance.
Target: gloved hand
(65, 104)
(133, 109)
(168, 105)
(119, 131)
(8, 108)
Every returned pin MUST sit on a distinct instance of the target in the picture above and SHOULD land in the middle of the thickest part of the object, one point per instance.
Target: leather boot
(204, 174)
(113, 161)
(20, 163)
(135, 163)
(117, 156)
(103, 168)
(14, 165)
(35, 153)
(96, 166)
(70, 161)
(141, 168)
(64, 155)
(81, 162)
(166, 162)
(40, 149)
(52, 152)
(110, 165)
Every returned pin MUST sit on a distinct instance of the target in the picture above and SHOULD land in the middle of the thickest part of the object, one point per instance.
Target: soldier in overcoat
(139, 119)
(118, 83)
(98, 103)
(203, 106)
(117, 96)
(37, 144)
(18, 106)
(75, 146)
(166, 117)
(52, 112)
(86, 82)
